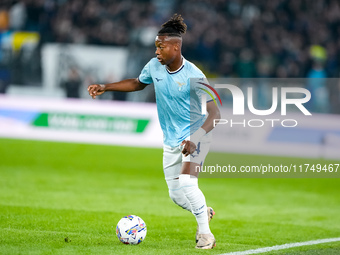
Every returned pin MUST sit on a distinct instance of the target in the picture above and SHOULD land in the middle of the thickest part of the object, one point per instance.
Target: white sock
(189, 186)
(177, 195)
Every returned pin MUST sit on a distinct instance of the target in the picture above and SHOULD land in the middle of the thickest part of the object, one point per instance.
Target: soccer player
(185, 145)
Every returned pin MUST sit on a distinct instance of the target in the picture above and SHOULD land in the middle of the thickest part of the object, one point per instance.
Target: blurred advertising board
(77, 120)
(316, 136)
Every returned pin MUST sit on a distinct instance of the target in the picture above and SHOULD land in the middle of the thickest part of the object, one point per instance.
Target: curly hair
(174, 26)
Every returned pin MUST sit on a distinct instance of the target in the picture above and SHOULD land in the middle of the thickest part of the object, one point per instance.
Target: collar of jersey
(179, 69)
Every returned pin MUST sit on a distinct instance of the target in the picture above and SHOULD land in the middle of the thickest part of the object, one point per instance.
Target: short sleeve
(202, 87)
(145, 75)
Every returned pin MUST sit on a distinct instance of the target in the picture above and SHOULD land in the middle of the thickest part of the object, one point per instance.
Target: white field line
(283, 246)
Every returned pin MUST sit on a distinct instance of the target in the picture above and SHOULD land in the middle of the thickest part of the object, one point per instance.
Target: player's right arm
(127, 85)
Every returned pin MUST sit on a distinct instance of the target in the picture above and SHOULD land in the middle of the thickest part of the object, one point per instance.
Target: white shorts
(173, 157)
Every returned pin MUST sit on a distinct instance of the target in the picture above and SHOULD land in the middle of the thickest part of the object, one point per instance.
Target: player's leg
(189, 184)
(172, 163)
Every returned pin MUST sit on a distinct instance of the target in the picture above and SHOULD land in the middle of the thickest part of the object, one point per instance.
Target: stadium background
(225, 38)
(64, 198)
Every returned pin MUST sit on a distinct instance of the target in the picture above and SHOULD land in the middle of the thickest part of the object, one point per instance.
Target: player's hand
(189, 147)
(96, 90)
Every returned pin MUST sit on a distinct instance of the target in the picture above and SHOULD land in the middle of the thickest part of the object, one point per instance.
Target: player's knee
(174, 190)
(187, 182)
(175, 196)
(176, 193)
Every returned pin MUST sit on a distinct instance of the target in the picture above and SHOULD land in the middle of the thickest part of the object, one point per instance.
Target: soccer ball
(131, 229)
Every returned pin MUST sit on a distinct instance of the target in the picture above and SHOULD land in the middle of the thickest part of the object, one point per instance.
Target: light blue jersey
(173, 93)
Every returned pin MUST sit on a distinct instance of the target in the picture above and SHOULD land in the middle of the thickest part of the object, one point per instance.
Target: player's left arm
(213, 117)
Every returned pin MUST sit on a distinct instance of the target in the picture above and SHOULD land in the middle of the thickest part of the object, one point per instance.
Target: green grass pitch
(64, 198)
